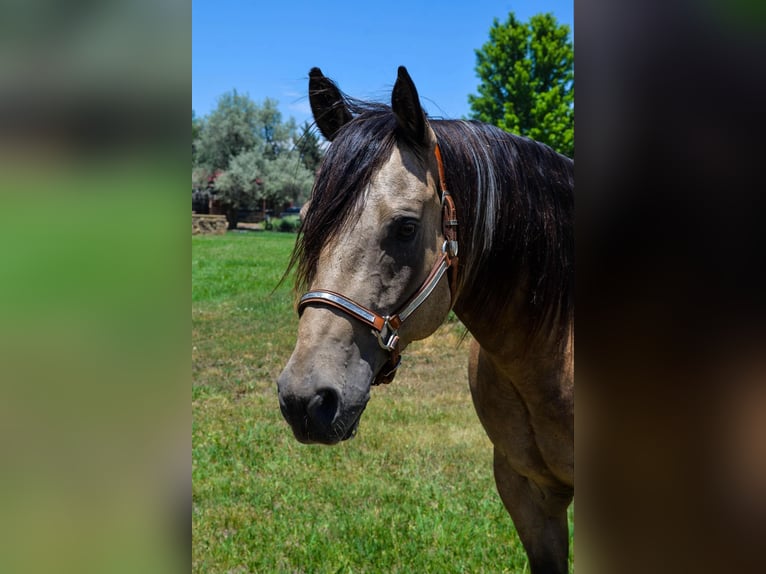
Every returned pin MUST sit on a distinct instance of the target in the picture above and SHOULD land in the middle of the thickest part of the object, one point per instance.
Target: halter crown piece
(386, 327)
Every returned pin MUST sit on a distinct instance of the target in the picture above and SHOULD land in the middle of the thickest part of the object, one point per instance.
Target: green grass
(413, 492)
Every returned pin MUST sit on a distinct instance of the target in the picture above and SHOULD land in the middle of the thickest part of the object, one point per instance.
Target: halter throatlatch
(386, 327)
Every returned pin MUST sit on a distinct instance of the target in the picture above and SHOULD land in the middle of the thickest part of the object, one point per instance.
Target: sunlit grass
(413, 492)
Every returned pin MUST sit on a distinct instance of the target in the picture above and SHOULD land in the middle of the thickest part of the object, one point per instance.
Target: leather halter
(386, 327)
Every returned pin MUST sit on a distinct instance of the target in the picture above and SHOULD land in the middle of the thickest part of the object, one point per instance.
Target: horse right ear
(327, 104)
(406, 106)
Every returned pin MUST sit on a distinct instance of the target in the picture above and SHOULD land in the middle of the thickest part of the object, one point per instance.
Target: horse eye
(407, 229)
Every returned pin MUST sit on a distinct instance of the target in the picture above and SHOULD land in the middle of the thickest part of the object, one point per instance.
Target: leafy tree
(251, 152)
(196, 129)
(526, 73)
(252, 177)
(277, 136)
(200, 177)
(237, 187)
(286, 178)
(229, 130)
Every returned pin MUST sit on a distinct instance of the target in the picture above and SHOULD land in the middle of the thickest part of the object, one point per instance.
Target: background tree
(252, 177)
(276, 136)
(200, 177)
(196, 129)
(230, 129)
(286, 179)
(526, 73)
(238, 185)
(251, 155)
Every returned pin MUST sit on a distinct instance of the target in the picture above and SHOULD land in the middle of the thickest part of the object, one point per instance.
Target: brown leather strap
(449, 224)
(440, 167)
(343, 303)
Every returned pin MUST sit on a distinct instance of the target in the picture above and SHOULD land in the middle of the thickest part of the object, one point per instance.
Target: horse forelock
(358, 151)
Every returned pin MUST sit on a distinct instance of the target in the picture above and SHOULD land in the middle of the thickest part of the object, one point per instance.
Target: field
(412, 492)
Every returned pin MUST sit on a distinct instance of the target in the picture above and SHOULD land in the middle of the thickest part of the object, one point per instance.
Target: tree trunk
(232, 216)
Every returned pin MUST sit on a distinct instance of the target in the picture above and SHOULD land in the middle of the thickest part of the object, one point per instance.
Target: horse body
(374, 234)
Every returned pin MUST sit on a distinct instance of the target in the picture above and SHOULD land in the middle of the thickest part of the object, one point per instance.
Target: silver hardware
(426, 290)
(342, 301)
(388, 337)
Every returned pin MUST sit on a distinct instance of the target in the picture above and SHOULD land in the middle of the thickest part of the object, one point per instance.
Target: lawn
(412, 492)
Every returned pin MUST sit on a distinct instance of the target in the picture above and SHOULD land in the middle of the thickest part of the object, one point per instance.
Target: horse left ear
(406, 105)
(327, 104)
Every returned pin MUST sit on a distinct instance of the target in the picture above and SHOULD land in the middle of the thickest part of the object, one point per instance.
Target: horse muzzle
(319, 413)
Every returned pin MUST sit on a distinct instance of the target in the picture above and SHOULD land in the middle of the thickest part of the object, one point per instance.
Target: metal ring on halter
(450, 248)
(389, 333)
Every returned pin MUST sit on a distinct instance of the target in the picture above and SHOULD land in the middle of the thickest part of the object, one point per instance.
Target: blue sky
(265, 49)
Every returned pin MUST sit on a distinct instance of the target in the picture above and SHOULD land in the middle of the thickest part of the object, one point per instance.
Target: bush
(289, 224)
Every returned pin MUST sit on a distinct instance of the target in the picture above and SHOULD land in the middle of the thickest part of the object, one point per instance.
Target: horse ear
(327, 104)
(406, 105)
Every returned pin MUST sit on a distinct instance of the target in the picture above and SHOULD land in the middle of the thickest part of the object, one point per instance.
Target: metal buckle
(450, 247)
(388, 337)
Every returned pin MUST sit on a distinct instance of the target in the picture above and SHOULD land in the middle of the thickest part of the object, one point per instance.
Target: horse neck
(534, 360)
(495, 326)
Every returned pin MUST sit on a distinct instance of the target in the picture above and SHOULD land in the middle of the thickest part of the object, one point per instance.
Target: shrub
(289, 224)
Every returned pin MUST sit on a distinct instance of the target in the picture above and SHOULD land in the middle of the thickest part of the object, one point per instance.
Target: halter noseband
(386, 327)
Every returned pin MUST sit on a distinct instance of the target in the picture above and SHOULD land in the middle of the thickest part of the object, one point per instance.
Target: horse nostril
(323, 407)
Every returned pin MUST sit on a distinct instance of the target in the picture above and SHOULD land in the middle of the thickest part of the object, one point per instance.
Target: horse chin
(351, 432)
(305, 436)
(340, 431)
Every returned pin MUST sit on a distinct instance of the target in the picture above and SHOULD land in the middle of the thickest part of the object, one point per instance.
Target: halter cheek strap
(386, 327)
(449, 225)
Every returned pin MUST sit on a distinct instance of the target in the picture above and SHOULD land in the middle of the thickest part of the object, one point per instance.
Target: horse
(412, 217)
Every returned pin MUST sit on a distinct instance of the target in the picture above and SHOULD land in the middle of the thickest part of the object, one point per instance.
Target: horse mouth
(344, 434)
(309, 436)
(338, 432)
(351, 432)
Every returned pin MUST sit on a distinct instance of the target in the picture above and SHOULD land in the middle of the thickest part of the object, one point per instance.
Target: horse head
(372, 242)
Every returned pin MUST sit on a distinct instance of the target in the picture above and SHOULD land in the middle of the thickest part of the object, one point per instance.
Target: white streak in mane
(487, 196)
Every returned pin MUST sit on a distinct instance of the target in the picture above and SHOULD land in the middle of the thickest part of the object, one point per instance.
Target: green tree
(286, 179)
(277, 136)
(252, 177)
(200, 177)
(229, 130)
(196, 129)
(238, 185)
(249, 152)
(526, 73)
